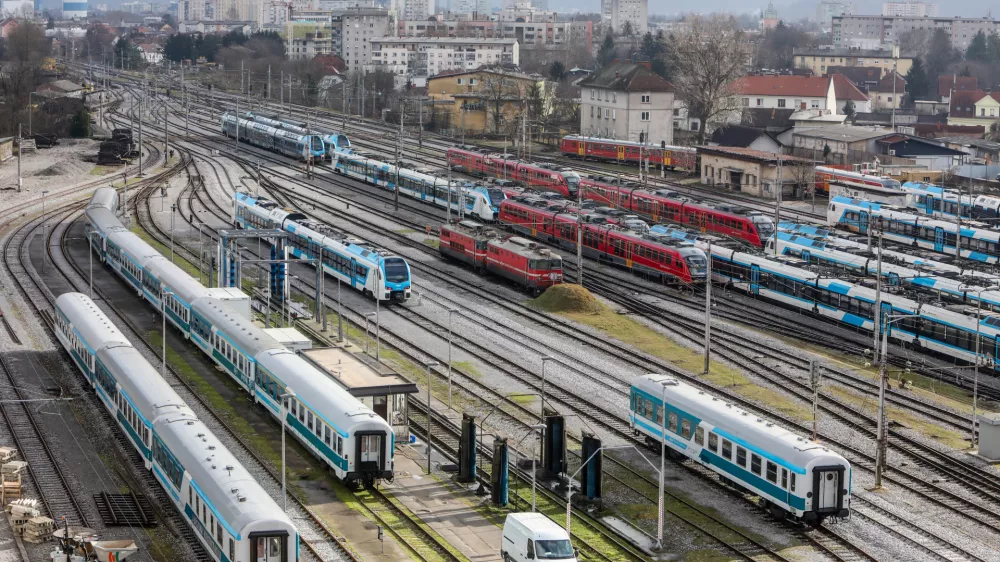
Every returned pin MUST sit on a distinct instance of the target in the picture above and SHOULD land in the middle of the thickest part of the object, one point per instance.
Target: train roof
(320, 393)
(628, 143)
(471, 229)
(239, 330)
(234, 494)
(772, 441)
(104, 197)
(176, 280)
(104, 220)
(526, 248)
(150, 394)
(139, 251)
(908, 216)
(90, 321)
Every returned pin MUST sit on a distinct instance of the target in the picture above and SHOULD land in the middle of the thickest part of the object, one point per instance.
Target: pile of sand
(567, 298)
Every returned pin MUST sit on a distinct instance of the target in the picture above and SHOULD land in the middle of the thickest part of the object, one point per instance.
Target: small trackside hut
(374, 384)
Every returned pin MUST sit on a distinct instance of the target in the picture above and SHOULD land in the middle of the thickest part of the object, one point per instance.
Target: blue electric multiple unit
(332, 424)
(373, 271)
(482, 203)
(288, 143)
(938, 201)
(899, 225)
(231, 514)
(332, 141)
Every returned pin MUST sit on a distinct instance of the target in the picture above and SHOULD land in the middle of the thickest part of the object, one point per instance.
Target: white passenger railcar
(335, 426)
(791, 474)
(232, 516)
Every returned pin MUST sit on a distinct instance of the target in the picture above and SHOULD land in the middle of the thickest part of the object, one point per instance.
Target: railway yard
(734, 455)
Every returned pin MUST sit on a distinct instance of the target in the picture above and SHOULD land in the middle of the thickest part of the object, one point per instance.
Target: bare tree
(710, 54)
(497, 88)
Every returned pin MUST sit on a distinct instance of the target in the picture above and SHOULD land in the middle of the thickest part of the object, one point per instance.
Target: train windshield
(497, 196)
(317, 143)
(342, 141)
(396, 270)
(892, 184)
(545, 264)
(765, 228)
(698, 265)
(554, 550)
(572, 181)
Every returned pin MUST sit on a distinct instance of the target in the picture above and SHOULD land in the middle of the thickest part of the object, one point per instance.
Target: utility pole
(343, 122)
(140, 135)
(579, 233)
(268, 82)
(708, 308)
(878, 296)
(237, 125)
(883, 430)
(814, 381)
(420, 131)
(958, 223)
(399, 141)
(777, 208)
(19, 138)
(281, 88)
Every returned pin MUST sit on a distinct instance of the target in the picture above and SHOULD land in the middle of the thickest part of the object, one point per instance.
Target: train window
(772, 472)
(713, 442)
(699, 436)
(326, 435)
(340, 445)
(309, 420)
(727, 449)
(218, 531)
(302, 413)
(793, 482)
(755, 463)
(686, 428)
(659, 416)
(649, 409)
(784, 479)
(190, 490)
(232, 549)
(673, 422)
(741, 456)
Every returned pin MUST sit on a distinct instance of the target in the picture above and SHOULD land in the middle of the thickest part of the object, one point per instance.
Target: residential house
(974, 108)
(755, 172)
(820, 59)
(845, 91)
(839, 144)
(926, 153)
(151, 53)
(864, 77)
(484, 100)
(624, 99)
(948, 83)
(60, 89)
(306, 40)
(889, 92)
(745, 137)
(796, 92)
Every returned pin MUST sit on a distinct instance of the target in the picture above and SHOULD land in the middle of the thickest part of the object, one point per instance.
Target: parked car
(533, 536)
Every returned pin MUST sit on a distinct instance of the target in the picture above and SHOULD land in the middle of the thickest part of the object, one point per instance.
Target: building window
(645, 99)
(677, 113)
(607, 113)
(982, 112)
(815, 104)
(644, 116)
(592, 93)
(591, 111)
(781, 102)
(760, 102)
(746, 102)
(614, 97)
(459, 80)
(472, 81)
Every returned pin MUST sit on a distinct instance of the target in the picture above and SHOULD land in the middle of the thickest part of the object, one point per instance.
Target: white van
(533, 536)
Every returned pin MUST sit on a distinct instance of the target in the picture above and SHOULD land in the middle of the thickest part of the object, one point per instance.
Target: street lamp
(45, 234)
(883, 421)
(541, 413)
(90, 256)
(173, 209)
(428, 366)
(975, 380)
(284, 418)
(450, 312)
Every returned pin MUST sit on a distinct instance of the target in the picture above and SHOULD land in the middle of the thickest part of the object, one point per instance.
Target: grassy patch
(406, 526)
(432, 242)
(706, 555)
(468, 367)
(100, 170)
(405, 231)
(578, 305)
(913, 421)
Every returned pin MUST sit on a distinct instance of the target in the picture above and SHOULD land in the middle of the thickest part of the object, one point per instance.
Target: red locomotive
(516, 259)
(611, 150)
(486, 164)
(751, 227)
(825, 175)
(607, 243)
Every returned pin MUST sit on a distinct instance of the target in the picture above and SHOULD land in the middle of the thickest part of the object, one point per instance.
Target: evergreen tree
(977, 49)
(993, 47)
(607, 52)
(849, 109)
(557, 71)
(940, 53)
(79, 124)
(916, 82)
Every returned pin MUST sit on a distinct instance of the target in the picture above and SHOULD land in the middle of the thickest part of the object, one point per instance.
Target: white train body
(361, 443)
(416, 185)
(372, 271)
(233, 517)
(902, 226)
(790, 473)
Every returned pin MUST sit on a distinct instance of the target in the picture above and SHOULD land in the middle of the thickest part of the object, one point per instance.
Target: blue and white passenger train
(898, 225)
(925, 326)
(417, 185)
(372, 271)
(232, 516)
(294, 145)
(336, 427)
(941, 202)
(791, 474)
(332, 141)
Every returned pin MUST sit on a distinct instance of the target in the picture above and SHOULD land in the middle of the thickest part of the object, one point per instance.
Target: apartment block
(421, 57)
(878, 32)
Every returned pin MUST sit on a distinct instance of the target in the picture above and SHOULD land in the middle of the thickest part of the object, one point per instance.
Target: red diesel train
(487, 164)
(606, 243)
(610, 150)
(516, 259)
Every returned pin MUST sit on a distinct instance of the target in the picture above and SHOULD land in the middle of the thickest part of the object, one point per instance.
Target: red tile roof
(812, 86)
(963, 103)
(846, 90)
(950, 82)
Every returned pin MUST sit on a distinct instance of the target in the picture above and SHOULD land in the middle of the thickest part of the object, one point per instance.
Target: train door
(755, 279)
(893, 279)
(886, 314)
(581, 148)
(827, 485)
(938, 239)
(268, 548)
(369, 451)
(806, 256)
(351, 274)
(621, 152)
(863, 222)
(929, 204)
